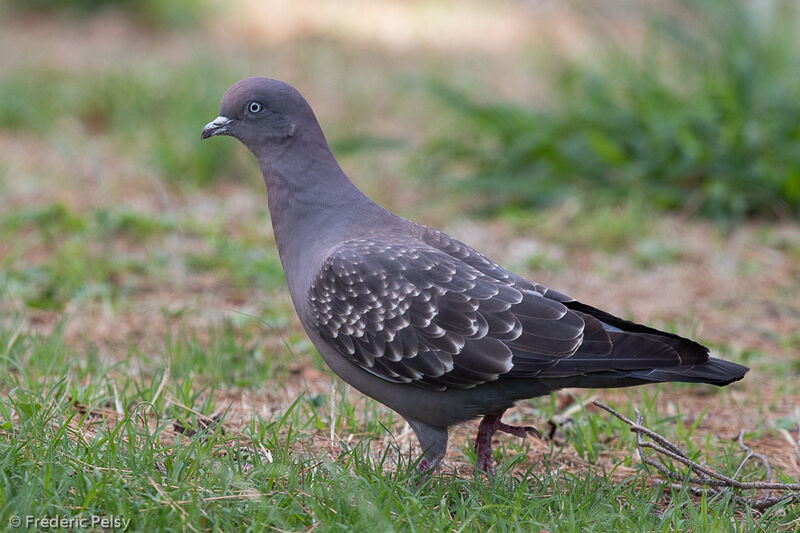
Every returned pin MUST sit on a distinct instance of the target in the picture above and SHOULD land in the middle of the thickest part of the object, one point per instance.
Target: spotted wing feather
(434, 312)
(408, 312)
(607, 342)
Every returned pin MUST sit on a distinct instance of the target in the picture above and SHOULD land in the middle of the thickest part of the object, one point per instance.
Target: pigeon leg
(434, 445)
(483, 441)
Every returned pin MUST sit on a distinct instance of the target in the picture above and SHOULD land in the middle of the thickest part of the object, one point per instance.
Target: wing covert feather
(434, 312)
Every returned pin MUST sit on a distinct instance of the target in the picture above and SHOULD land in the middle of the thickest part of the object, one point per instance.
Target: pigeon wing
(409, 312)
(609, 343)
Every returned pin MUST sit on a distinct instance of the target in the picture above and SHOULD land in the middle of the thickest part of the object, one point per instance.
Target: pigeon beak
(218, 126)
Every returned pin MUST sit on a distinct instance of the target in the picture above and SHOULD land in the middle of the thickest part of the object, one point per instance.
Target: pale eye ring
(255, 107)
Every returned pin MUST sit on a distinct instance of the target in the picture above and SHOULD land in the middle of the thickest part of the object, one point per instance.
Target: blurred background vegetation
(606, 114)
(151, 14)
(701, 116)
(699, 112)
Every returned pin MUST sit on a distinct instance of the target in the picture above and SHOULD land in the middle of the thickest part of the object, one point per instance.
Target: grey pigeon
(418, 320)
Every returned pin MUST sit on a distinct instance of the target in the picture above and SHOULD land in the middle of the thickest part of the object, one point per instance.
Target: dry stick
(798, 443)
(170, 502)
(711, 479)
(208, 419)
(669, 449)
(750, 453)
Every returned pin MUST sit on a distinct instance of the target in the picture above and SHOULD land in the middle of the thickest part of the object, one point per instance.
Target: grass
(79, 260)
(701, 118)
(92, 257)
(245, 264)
(84, 439)
(153, 113)
(75, 270)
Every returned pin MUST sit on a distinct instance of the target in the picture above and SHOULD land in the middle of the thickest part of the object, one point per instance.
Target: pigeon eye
(255, 107)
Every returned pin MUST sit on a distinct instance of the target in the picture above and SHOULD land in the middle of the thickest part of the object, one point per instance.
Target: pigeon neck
(310, 198)
(304, 182)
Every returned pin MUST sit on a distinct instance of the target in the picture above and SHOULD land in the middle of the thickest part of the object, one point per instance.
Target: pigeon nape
(418, 320)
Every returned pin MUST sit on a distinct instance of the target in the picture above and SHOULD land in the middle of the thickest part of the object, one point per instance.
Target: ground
(134, 296)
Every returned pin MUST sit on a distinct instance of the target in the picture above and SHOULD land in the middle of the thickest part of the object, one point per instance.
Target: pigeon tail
(714, 372)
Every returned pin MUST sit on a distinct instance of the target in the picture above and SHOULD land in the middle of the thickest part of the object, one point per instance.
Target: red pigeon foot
(486, 430)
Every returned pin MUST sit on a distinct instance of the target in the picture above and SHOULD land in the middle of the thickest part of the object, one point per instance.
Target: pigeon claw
(533, 432)
(519, 431)
(483, 441)
(423, 467)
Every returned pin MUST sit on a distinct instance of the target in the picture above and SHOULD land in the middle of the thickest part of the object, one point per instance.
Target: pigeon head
(260, 112)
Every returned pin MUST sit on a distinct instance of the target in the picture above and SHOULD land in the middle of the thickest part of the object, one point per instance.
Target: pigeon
(418, 320)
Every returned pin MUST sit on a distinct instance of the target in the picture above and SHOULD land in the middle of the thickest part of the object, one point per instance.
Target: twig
(798, 442)
(164, 380)
(760, 457)
(711, 480)
(208, 419)
(172, 503)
